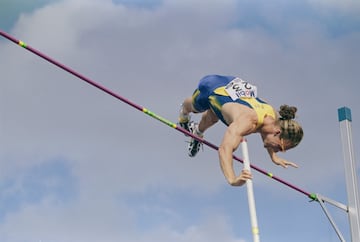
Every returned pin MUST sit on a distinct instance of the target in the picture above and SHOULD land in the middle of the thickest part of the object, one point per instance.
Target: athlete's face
(274, 142)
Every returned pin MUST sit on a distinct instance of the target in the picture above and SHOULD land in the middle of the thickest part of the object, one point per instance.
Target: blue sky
(77, 165)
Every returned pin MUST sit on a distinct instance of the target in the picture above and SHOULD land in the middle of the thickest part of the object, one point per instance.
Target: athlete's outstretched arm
(232, 138)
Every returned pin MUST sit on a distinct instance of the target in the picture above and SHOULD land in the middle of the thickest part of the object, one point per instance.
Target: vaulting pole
(250, 193)
(144, 110)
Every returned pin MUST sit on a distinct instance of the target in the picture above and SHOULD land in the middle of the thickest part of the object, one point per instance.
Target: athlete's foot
(194, 145)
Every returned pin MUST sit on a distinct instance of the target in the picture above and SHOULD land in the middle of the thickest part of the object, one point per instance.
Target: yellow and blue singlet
(211, 94)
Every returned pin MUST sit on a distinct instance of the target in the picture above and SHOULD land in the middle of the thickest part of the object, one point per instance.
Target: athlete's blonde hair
(290, 129)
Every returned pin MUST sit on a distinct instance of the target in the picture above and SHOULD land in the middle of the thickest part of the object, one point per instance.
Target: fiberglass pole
(250, 193)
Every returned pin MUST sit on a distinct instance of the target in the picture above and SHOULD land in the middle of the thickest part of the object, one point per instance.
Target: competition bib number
(239, 88)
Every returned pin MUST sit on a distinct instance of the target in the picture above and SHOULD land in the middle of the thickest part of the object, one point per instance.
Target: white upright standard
(344, 114)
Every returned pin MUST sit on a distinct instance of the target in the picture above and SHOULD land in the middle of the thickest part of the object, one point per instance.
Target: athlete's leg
(184, 114)
(208, 119)
(187, 106)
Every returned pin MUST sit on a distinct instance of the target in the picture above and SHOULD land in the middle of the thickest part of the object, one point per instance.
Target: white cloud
(101, 220)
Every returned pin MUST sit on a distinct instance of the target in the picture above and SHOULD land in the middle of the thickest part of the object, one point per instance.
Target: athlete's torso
(221, 96)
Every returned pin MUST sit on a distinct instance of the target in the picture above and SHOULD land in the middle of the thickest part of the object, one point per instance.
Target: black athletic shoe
(185, 124)
(194, 145)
